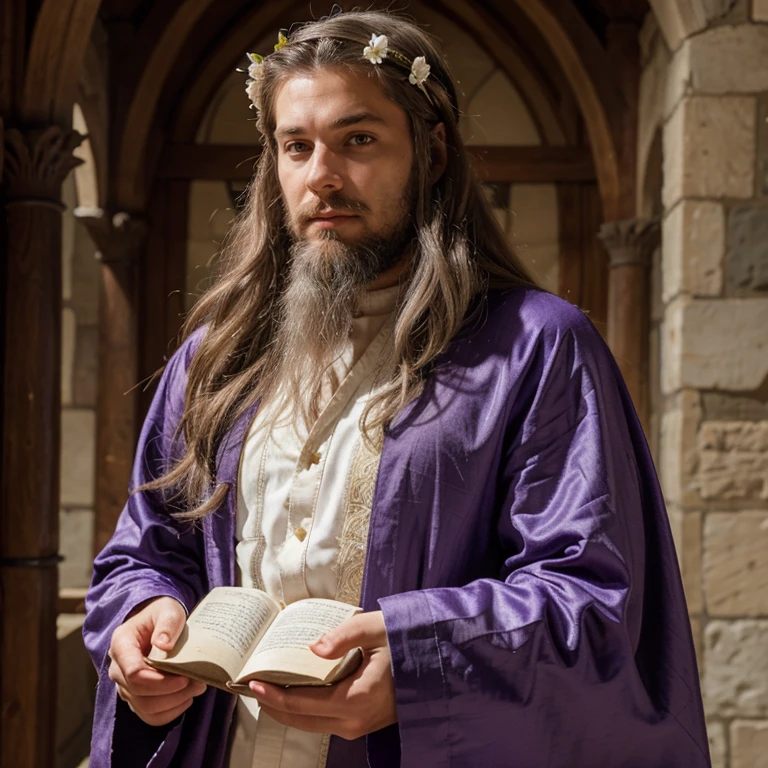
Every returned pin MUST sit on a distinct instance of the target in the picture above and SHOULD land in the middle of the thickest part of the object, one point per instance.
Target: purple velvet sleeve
(562, 659)
(150, 555)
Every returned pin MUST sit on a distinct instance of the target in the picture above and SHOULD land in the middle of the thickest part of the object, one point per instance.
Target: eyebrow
(341, 122)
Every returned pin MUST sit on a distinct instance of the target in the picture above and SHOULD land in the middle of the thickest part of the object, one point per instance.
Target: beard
(325, 282)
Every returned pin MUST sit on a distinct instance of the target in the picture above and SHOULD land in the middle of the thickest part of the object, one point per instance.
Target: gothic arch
(59, 42)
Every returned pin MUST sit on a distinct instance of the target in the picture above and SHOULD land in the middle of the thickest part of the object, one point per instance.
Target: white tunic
(290, 516)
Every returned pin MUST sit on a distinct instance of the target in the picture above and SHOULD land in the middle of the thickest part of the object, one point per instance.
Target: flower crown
(376, 51)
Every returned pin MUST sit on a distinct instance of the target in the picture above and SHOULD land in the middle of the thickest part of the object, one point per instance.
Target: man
(375, 403)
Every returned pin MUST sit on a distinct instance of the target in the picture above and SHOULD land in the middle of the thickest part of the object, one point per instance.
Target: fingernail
(321, 642)
(164, 638)
(259, 690)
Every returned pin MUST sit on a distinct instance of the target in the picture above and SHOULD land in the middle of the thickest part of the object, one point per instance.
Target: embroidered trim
(324, 746)
(357, 504)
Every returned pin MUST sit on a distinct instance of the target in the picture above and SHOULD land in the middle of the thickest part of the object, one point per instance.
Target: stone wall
(709, 93)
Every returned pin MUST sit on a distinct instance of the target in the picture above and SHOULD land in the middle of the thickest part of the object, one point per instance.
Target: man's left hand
(361, 704)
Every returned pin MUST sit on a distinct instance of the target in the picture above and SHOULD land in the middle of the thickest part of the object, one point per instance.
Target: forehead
(321, 99)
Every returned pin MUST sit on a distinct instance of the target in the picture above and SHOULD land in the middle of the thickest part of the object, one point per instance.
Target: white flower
(376, 51)
(419, 71)
(255, 74)
(252, 89)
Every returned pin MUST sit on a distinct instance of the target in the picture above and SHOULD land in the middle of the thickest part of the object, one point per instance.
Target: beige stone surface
(68, 346)
(717, 743)
(75, 692)
(693, 245)
(709, 148)
(76, 545)
(734, 436)
(686, 531)
(718, 344)
(723, 59)
(733, 460)
(749, 744)
(736, 563)
(78, 457)
(760, 10)
(679, 449)
(672, 345)
(736, 668)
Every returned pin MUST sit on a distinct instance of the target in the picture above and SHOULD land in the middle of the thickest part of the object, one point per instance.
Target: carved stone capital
(630, 242)
(118, 238)
(37, 161)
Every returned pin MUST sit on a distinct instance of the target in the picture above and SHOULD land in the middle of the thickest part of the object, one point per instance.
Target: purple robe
(519, 549)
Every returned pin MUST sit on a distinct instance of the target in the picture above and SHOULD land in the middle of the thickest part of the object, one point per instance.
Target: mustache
(335, 202)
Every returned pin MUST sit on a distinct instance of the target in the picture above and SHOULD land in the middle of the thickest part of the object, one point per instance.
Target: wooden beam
(524, 165)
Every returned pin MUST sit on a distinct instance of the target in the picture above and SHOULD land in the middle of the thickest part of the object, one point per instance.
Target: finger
(129, 669)
(347, 729)
(169, 623)
(325, 701)
(150, 682)
(166, 717)
(366, 630)
(157, 705)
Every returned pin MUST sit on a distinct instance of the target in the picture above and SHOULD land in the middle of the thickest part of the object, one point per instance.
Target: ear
(439, 158)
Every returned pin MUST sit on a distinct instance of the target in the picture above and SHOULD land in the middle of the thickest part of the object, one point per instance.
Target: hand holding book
(236, 635)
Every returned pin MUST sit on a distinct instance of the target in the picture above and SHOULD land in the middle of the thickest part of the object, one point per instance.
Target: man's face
(345, 158)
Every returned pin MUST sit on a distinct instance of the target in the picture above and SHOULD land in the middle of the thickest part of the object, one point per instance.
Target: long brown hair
(459, 252)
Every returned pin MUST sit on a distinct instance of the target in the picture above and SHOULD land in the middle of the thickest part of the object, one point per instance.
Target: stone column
(630, 244)
(714, 373)
(119, 240)
(36, 163)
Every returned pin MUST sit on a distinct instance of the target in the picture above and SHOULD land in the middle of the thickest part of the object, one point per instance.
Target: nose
(323, 174)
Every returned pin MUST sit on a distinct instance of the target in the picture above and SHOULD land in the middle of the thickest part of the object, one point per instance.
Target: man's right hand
(155, 697)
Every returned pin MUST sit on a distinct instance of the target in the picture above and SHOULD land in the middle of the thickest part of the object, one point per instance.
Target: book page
(285, 645)
(223, 629)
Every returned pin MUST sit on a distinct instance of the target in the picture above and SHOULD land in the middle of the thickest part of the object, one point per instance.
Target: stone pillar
(714, 367)
(119, 240)
(36, 163)
(630, 244)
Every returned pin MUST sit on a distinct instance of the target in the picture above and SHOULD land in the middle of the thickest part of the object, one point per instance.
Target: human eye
(361, 139)
(296, 147)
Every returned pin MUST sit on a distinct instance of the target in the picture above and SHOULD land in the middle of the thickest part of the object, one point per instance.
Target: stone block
(718, 406)
(76, 545)
(748, 251)
(717, 743)
(78, 457)
(709, 148)
(68, 347)
(749, 744)
(672, 345)
(693, 242)
(733, 461)
(716, 344)
(725, 59)
(736, 668)
(686, 531)
(679, 449)
(735, 567)
(760, 10)
(86, 366)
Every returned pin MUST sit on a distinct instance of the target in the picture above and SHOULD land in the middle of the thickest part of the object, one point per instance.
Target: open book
(237, 634)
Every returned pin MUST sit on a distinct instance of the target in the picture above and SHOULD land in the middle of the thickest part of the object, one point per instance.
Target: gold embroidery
(357, 503)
